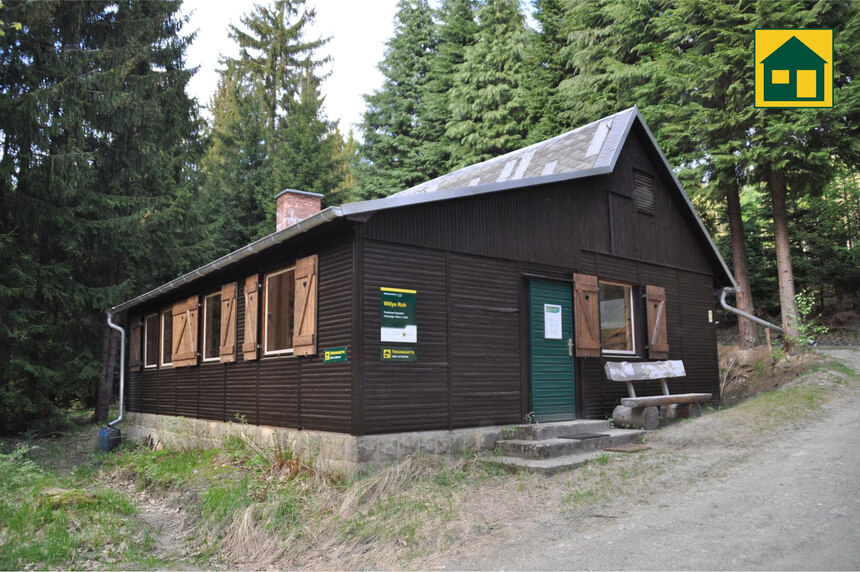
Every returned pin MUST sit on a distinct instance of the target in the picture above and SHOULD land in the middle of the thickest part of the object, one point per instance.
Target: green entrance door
(551, 334)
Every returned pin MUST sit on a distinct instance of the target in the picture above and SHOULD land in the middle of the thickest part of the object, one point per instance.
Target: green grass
(783, 406)
(164, 469)
(51, 522)
(838, 367)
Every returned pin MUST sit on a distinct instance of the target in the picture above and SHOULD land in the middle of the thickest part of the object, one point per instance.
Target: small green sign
(399, 354)
(334, 355)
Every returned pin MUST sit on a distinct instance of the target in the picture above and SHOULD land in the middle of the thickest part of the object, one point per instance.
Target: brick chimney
(294, 206)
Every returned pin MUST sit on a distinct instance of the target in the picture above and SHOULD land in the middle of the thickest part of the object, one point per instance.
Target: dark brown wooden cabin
(591, 225)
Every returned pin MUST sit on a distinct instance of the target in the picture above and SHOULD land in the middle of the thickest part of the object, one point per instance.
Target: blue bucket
(109, 438)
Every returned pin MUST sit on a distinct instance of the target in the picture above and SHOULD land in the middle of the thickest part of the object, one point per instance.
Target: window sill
(281, 353)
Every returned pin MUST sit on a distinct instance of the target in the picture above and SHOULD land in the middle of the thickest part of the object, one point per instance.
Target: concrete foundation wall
(332, 450)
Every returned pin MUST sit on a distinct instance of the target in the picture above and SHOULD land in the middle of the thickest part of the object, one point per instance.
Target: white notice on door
(552, 321)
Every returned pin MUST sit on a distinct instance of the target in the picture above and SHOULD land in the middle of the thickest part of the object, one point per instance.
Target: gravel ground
(787, 500)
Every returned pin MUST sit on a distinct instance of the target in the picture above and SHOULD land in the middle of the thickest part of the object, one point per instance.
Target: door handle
(570, 346)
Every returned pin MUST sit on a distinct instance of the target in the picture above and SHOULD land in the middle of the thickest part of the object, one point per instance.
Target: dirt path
(788, 501)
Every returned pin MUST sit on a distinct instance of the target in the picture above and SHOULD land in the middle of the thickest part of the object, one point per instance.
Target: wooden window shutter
(658, 338)
(305, 317)
(135, 328)
(185, 332)
(228, 323)
(586, 311)
(252, 317)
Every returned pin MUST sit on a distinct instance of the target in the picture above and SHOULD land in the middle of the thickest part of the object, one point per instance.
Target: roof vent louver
(643, 192)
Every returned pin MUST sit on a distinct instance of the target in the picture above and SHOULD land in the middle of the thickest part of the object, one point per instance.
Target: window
(166, 338)
(150, 344)
(279, 296)
(616, 318)
(779, 76)
(211, 326)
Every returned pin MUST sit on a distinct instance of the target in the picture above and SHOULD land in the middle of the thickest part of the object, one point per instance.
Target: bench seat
(657, 400)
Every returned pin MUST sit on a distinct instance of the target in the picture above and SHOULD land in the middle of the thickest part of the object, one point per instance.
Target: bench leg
(695, 410)
(681, 410)
(672, 411)
(644, 417)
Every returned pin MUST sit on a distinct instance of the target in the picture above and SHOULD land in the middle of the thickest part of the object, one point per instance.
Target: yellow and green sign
(397, 307)
(399, 354)
(334, 355)
(794, 68)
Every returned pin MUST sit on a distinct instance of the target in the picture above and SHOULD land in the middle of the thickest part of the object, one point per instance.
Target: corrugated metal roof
(587, 151)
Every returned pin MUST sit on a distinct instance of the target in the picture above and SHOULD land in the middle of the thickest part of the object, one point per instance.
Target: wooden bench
(644, 411)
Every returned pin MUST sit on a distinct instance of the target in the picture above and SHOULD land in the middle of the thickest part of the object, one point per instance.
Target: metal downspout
(121, 368)
(746, 315)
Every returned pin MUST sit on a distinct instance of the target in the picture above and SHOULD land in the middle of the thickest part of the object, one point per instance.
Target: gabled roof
(794, 54)
(587, 151)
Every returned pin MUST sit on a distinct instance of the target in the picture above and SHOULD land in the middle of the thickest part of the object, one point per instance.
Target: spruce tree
(237, 200)
(798, 151)
(457, 30)
(703, 118)
(95, 121)
(547, 68)
(392, 128)
(306, 153)
(488, 103)
(609, 53)
(268, 128)
(274, 52)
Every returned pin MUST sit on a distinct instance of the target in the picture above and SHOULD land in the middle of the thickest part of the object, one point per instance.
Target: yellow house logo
(794, 68)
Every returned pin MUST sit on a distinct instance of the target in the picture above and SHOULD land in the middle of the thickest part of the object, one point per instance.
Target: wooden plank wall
(553, 224)
(282, 391)
(468, 369)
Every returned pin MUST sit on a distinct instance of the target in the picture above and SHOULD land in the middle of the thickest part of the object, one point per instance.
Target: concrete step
(546, 466)
(538, 431)
(555, 447)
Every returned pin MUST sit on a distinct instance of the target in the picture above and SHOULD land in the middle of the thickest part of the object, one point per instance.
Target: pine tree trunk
(746, 328)
(787, 303)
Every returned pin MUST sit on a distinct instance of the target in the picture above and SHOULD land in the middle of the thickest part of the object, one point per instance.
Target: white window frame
(631, 288)
(168, 313)
(266, 351)
(146, 364)
(206, 298)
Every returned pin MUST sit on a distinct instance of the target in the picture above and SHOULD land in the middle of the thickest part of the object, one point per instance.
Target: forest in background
(112, 182)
